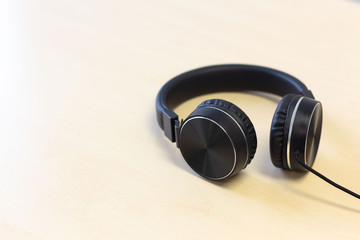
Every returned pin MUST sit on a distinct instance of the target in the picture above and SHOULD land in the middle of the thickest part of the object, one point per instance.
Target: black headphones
(218, 139)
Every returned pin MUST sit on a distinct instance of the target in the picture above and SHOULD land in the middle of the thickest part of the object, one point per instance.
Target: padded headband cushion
(240, 117)
(279, 130)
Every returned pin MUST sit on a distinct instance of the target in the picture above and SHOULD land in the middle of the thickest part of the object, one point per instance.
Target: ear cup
(279, 130)
(240, 117)
(217, 139)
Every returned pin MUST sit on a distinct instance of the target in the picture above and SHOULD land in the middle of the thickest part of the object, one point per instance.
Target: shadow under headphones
(218, 139)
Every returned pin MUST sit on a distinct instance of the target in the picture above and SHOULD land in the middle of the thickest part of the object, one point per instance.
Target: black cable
(296, 154)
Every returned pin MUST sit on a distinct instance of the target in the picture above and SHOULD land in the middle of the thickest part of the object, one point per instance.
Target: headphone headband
(221, 78)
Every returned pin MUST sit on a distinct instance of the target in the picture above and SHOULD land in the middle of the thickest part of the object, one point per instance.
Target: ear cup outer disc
(213, 143)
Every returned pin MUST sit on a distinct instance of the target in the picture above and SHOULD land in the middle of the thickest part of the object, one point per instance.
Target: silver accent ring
(307, 132)
(290, 132)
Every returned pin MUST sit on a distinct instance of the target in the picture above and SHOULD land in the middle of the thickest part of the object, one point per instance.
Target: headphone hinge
(169, 122)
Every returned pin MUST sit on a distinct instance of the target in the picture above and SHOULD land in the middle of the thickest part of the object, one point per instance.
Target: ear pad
(279, 130)
(217, 140)
(240, 117)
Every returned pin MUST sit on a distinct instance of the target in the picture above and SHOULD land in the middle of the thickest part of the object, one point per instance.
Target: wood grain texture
(81, 155)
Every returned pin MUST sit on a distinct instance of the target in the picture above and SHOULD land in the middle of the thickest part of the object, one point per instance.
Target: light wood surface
(82, 157)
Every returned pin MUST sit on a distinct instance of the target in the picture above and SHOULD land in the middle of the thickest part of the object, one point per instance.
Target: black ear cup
(296, 126)
(217, 139)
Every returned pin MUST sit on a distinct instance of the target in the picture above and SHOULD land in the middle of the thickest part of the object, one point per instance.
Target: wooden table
(82, 157)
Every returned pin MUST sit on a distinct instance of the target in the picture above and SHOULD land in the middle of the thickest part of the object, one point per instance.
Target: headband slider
(170, 122)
